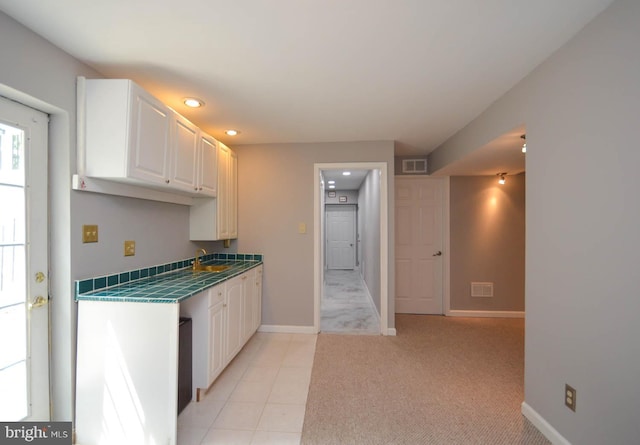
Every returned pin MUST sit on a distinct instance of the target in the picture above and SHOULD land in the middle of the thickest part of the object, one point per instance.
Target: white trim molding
(287, 329)
(486, 314)
(391, 332)
(543, 426)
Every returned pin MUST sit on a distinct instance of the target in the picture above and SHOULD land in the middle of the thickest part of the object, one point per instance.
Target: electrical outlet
(129, 248)
(570, 397)
(89, 233)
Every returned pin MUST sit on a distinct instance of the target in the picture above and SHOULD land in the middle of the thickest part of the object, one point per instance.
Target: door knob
(438, 253)
(37, 302)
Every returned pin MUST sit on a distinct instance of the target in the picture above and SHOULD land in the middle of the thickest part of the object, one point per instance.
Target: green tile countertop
(166, 283)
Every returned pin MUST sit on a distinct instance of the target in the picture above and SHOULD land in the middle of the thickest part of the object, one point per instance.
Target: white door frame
(318, 228)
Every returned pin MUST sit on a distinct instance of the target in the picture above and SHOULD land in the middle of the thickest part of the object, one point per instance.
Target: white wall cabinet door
(149, 139)
(208, 166)
(185, 139)
(126, 133)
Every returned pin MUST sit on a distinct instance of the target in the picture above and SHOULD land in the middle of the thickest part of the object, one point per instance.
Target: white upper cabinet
(217, 219)
(132, 137)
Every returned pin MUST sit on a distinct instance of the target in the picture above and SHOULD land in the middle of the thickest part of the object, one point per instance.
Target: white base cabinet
(127, 358)
(127, 373)
(224, 317)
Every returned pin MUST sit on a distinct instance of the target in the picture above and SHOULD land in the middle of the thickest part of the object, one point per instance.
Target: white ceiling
(413, 71)
(342, 182)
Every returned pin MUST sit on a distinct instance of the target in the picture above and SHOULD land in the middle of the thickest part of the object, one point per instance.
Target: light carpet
(440, 381)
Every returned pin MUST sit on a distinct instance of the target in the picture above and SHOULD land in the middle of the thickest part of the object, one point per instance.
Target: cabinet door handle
(166, 181)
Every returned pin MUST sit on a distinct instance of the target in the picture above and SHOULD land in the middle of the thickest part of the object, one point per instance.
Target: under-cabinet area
(128, 343)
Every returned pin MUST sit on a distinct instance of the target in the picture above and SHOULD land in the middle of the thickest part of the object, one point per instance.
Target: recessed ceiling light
(346, 173)
(332, 186)
(332, 182)
(193, 102)
(232, 132)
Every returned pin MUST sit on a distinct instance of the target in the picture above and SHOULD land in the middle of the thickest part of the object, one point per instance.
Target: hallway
(346, 306)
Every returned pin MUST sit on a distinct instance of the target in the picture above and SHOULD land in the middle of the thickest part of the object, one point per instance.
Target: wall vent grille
(481, 289)
(414, 166)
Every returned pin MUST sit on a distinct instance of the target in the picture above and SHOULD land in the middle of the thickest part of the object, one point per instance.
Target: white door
(24, 338)
(418, 242)
(341, 237)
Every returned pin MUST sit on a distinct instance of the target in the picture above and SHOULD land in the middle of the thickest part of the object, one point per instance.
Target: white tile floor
(259, 399)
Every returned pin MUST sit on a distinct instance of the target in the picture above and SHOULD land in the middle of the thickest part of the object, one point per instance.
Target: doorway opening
(351, 248)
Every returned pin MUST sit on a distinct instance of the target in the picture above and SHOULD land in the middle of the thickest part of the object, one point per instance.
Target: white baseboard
(391, 332)
(543, 426)
(287, 329)
(487, 314)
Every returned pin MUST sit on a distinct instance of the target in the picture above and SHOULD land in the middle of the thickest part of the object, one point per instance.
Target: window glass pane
(11, 155)
(12, 215)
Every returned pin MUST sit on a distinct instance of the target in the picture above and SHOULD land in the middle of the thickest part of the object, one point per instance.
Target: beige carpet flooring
(441, 380)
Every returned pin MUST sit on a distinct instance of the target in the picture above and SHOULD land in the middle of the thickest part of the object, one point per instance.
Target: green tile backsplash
(103, 282)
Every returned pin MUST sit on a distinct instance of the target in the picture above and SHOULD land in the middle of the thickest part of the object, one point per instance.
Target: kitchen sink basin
(211, 268)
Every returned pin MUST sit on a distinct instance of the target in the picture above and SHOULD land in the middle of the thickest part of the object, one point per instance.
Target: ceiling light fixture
(524, 145)
(332, 186)
(346, 173)
(332, 182)
(501, 180)
(232, 132)
(193, 102)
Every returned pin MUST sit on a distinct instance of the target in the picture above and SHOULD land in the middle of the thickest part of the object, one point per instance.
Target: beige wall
(580, 108)
(487, 241)
(275, 184)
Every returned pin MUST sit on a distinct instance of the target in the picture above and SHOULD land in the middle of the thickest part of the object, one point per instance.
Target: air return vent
(414, 166)
(481, 289)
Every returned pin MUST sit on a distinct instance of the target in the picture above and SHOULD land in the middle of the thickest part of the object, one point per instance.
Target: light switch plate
(89, 233)
(129, 248)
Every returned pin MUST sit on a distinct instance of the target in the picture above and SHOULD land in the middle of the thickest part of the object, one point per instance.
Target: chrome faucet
(196, 261)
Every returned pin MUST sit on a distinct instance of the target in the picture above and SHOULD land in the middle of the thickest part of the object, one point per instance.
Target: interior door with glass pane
(24, 310)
